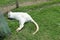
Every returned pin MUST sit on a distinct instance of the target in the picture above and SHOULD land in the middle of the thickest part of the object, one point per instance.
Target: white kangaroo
(22, 17)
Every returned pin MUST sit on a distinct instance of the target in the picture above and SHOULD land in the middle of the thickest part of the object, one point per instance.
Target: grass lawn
(8, 2)
(48, 20)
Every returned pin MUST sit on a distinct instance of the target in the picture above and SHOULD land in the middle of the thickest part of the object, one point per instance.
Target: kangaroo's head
(10, 15)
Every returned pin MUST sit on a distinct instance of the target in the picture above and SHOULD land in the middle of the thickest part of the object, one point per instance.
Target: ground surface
(47, 15)
(48, 20)
(10, 4)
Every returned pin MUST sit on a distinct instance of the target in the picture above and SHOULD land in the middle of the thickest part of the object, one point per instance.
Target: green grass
(10, 2)
(36, 6)
(6, 2)
(48, 20)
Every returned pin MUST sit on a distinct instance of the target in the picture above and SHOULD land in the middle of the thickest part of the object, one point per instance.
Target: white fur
(22, 18)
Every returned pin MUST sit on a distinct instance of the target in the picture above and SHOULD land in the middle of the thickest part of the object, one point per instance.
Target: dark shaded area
(10, 18)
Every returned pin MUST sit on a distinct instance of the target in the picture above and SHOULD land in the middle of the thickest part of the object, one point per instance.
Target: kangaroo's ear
(10, 11)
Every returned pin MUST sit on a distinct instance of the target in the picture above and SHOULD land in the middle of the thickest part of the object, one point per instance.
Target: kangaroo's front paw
(17, 30)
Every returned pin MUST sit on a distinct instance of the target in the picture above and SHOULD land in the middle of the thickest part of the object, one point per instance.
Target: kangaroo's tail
(37, 27)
